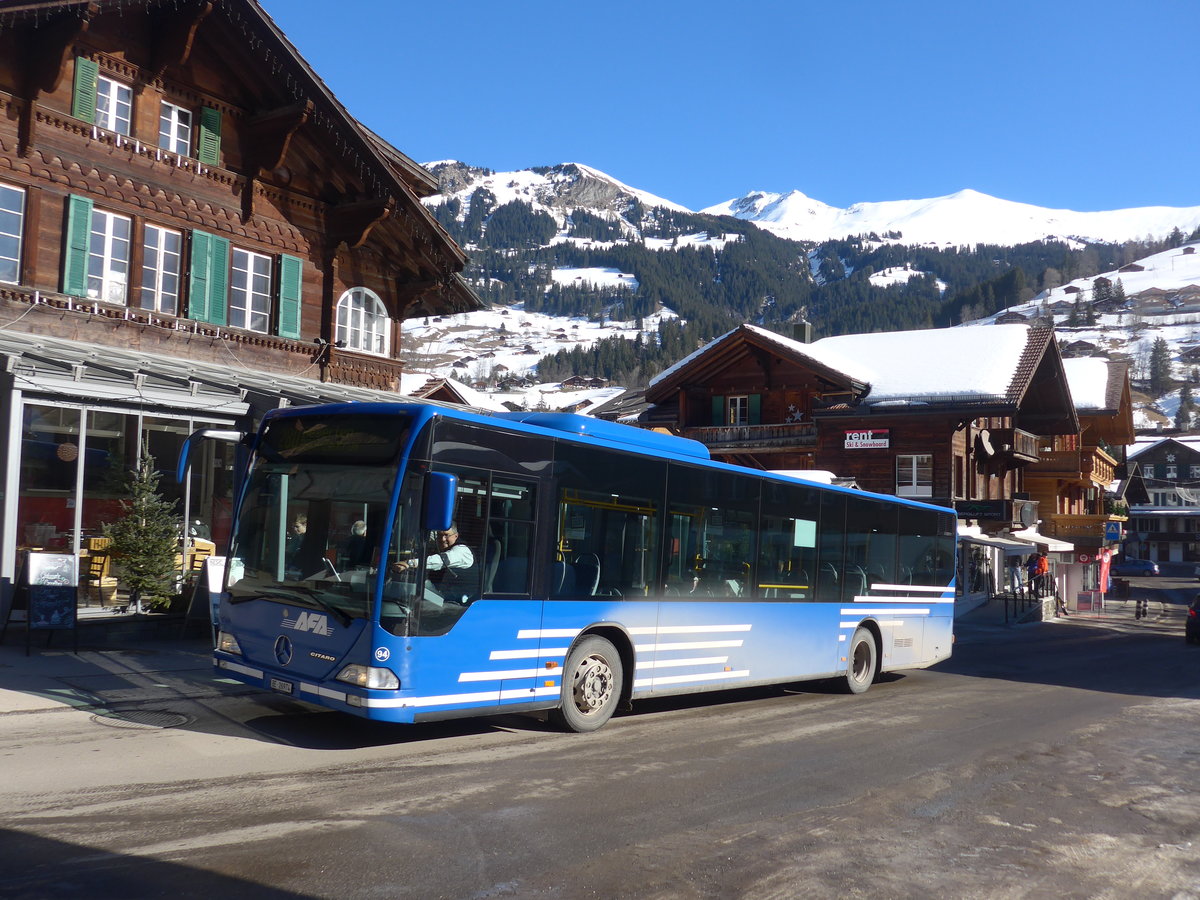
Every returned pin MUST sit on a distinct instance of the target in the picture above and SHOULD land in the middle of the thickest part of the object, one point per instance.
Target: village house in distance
(981, 419)
(193, 230)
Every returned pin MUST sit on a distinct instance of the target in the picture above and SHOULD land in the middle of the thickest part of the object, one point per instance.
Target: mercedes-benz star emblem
(283, 649)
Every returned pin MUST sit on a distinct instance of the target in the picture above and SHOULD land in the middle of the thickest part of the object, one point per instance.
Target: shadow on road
(39, 867)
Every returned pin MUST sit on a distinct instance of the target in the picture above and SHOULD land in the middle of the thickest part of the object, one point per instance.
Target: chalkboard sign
(52, 591)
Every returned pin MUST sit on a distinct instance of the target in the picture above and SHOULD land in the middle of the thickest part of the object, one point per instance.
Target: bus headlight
(370, 677)
(227, 643)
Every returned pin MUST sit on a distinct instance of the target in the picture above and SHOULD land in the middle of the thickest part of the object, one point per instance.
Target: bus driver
(449, 568)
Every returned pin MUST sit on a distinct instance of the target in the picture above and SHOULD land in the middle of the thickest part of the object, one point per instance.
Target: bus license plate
(278, 684)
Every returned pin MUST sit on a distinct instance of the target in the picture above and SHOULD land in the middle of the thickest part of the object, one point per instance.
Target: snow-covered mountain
(554, 189)
(964, 218)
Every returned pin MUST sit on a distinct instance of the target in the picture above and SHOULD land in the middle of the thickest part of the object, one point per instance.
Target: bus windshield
(315, 507)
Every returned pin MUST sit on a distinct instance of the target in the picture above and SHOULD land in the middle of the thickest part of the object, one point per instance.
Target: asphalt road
(1059, 759)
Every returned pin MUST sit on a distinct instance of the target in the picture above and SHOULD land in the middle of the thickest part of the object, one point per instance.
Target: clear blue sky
(1059, 103)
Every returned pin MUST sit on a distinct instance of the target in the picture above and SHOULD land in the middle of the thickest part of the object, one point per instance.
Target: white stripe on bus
(688, 629)
(237, 667)
(528, 654)
(876, 599)
(915, 588)
(686, 645)
(534, 633)
(510, 673)
(687, 679)
(676, 663)
(884, 612)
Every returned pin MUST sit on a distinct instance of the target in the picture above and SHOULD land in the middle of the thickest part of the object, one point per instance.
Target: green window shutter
(75, 256)
(208, 278)
(83, 101)
(718, 410)
(291, 280)
(198, 276)
(218, 281)
(208, 145)
(755, 409)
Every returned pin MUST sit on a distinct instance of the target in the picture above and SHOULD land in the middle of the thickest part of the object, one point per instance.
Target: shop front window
(49, 466)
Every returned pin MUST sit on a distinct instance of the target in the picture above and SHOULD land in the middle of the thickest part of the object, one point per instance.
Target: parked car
(1191, 627)
(1135, 567)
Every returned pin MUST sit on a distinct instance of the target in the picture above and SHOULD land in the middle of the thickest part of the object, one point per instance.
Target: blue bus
(410, 562)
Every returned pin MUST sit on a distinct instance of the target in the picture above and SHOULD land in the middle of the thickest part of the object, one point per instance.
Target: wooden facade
(175, 179)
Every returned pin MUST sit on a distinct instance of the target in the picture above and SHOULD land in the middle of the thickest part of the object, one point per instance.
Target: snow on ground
(900, 275)
(593, 277)
(508, 342)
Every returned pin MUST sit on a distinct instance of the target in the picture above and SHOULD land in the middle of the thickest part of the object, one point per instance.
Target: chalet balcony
(1077, 527)
(1089, 464)
(1021, 446)
(733, 438)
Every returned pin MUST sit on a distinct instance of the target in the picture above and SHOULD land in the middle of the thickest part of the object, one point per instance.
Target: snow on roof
(1087, 377)
(975, 361)
(971, 361)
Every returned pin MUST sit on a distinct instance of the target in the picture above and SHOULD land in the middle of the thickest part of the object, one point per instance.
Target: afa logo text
(314, 623)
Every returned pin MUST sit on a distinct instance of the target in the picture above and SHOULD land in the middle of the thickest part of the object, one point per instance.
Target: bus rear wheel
(862, 662)
(591, 687)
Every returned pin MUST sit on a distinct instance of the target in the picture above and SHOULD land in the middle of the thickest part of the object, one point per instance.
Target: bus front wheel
(862, 661)
(591, 687)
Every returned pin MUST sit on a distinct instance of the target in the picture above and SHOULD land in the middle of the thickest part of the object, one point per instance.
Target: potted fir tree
(145, 538)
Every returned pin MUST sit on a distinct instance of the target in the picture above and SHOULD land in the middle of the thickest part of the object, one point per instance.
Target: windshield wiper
(340, 614)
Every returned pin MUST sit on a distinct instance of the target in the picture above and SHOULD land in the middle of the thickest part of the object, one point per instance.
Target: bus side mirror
(441, 488)
(204, 434)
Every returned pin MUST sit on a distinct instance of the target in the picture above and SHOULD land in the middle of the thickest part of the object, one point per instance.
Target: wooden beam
(48, 49)
(352, 222)
(270, 133)
(174, 32)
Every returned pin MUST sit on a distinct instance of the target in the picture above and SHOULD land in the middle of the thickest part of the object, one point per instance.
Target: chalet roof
(715, 354)
(971, 363)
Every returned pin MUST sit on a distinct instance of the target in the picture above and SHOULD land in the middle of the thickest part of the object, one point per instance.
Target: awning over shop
(1010, 547)
(75, 372)
(1054, 545)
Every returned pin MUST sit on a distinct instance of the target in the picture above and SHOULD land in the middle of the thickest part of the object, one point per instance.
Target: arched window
(362, 322)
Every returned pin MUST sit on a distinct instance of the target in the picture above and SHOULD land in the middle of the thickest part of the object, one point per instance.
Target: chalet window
(161, 252)
(208, 141)
(100, 100)
(12, 220)
(744, 409)
(362, 322)
(960, 468)
(250, 291)
(1194, 472)
(114, 105)
(1171, 472)
(914, 475)
(96, 263)
(232, 286)
(739, 411)
(175, 128)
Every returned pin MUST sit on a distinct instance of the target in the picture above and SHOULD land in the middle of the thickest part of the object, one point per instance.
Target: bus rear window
(343, 439)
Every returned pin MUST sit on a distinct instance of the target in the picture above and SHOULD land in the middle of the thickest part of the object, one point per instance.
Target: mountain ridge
(963, 218)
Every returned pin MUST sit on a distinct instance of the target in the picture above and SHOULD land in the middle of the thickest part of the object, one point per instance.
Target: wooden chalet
(193, 230)
(1074, 472)
(179, 181)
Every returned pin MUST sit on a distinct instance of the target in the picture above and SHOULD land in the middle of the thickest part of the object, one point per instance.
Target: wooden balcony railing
(729, 438)
(1021, 445)
(1088, 464)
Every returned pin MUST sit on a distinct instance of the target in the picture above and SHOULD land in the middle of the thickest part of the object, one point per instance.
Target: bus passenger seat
(491, 561)
(512, 576)
(587, 574)
(562, 580)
